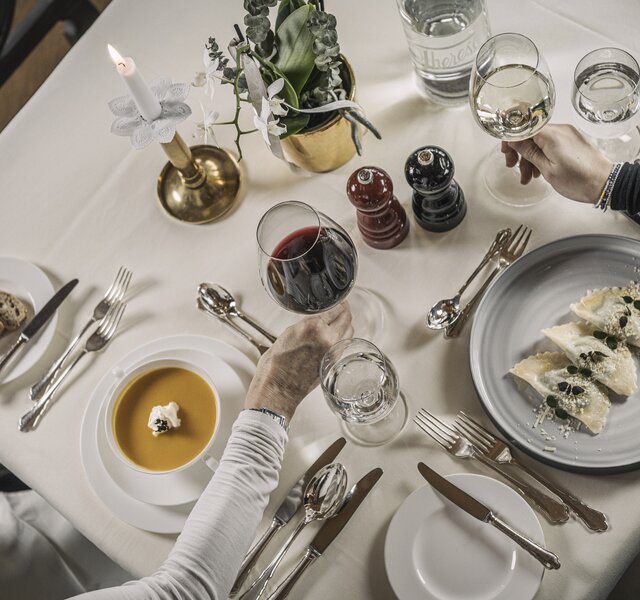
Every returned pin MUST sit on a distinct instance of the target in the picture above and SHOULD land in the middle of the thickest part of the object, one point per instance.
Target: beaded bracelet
(607, 190)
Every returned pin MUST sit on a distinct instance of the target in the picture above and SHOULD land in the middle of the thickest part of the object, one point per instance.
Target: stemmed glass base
(367, 311)
(504, 184)
(380, 432)
(624, 148)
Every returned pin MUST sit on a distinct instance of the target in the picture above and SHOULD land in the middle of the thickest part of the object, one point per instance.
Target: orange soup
(177, 446)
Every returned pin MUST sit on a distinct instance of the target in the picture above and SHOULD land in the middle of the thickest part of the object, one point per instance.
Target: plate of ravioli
(555, 351)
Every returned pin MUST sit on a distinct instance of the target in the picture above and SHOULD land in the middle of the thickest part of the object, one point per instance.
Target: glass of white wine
(512, 97)
(606, 95)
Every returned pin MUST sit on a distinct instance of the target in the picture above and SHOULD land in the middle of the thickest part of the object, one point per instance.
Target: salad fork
(509, 253)
(454, 443)
(498, 450)
(114, 294)
(97, 341)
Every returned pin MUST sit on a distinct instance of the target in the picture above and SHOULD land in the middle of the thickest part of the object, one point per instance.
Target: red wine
(315, 268)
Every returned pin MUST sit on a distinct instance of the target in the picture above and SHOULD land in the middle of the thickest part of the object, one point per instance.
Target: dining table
(79, 202)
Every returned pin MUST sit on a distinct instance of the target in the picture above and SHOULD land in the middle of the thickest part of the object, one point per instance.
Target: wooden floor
(37, 67)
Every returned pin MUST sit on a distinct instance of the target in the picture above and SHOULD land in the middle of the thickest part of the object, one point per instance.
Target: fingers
(530, 151)
(510, 155)
(342, 325)
(526, 171)
(334, 313)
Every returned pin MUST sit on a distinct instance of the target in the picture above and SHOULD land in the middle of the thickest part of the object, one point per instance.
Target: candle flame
(115, 55)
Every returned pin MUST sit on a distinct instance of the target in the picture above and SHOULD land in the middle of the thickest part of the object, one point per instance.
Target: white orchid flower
(205, 127)
(276, 105)
(266, 124)
(207, 78)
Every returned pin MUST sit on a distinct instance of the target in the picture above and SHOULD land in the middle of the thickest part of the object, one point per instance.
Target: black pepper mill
(438, 200)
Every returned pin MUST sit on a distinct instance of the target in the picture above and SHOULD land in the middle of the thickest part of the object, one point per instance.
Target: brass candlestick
(199, 184)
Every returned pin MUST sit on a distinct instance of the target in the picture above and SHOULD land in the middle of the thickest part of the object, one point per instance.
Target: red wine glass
(308, 263)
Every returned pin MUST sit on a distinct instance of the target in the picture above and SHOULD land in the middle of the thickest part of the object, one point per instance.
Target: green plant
(299, 63)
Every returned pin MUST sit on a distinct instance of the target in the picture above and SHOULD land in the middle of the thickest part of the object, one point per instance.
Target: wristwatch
(275, 416)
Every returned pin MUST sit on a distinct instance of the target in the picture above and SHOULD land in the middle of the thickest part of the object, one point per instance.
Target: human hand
(565, 159)
(291, 367)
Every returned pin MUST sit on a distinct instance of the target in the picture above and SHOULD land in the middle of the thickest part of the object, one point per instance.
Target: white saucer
(28, 283)
(436, 551)
(117, 485)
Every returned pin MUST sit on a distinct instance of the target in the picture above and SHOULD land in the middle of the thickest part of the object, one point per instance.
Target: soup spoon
(445, 312)
(227, 304)
(323, 498)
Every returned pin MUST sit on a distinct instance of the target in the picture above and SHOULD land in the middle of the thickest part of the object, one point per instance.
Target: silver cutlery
(323, 499)
(499, 451)
(509, 253)
(479, 511)
(97, 341)
(328, 532)
(115, 293)
(456, 444)
(286, 510)
(205, 304)
(39, 320)
(228, 306)
(444, 312)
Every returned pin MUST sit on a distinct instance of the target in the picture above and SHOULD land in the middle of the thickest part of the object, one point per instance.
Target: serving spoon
(445, 312)
(323, 498)
(227, 303)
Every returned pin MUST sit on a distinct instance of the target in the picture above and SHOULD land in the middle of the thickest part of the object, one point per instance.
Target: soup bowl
(130, 394)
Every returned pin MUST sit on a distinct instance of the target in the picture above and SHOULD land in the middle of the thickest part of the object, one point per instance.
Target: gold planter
(326, 147)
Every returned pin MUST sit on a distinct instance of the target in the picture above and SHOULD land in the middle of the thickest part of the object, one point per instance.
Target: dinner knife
(328, 532)
(286, 510)
(39, 320)
(481, 512)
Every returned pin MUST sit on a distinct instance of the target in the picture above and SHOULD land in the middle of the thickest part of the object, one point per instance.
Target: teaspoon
(323, 498)
(445, 312)
(228, 304)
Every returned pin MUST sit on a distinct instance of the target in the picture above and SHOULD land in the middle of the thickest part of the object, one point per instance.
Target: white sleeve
(207, 555)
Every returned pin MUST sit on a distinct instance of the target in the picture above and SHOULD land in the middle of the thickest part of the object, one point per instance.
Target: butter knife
(286, 510)
(481, 512)
(40, 319)
(328, 532)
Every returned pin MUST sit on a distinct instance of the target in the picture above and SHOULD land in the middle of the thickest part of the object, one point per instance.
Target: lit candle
(146, 102)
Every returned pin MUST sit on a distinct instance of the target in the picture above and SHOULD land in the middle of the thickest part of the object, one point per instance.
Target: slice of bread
(13, 312)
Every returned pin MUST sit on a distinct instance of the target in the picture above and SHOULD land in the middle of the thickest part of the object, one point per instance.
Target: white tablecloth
(79, 202)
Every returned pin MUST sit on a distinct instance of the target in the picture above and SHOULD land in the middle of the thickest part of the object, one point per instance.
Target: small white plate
(436, 551)
(28, 283)
(170, 497)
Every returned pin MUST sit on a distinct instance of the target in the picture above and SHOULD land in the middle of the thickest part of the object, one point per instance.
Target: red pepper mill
(381, 219)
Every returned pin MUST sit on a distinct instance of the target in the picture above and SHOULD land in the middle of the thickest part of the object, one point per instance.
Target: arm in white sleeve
(207, 555)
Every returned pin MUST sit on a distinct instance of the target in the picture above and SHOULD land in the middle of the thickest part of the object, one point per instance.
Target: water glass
(361, 385)
(606, 94)
(443, 38)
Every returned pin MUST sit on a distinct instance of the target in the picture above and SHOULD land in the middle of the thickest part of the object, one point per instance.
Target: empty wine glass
(512, 97)
(606, 95)
(308, 264)
(361, 385)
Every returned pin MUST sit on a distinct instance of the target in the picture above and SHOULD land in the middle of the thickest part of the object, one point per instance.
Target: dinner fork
(114, 294)
(456, 444)
(510, 252)
(498, 450)
(97, 341)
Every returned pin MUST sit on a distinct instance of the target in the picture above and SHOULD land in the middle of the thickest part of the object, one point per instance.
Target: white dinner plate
(171, 496)
(532, 294)
(436, 551)
(28, 283)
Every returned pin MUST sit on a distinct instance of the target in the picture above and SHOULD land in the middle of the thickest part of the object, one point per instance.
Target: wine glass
(512, 97)
(308, 264)
(606, 96)
(361, 385)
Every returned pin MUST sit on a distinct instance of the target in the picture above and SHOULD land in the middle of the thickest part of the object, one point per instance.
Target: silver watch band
(282, 421)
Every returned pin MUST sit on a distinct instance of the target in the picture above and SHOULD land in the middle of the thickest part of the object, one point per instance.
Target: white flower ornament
(277, 105)
(206, 126)
(266, 124)
(130, 123)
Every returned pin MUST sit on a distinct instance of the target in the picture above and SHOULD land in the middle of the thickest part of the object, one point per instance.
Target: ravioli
(580, 397)
(614, 368)
(615, 311)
